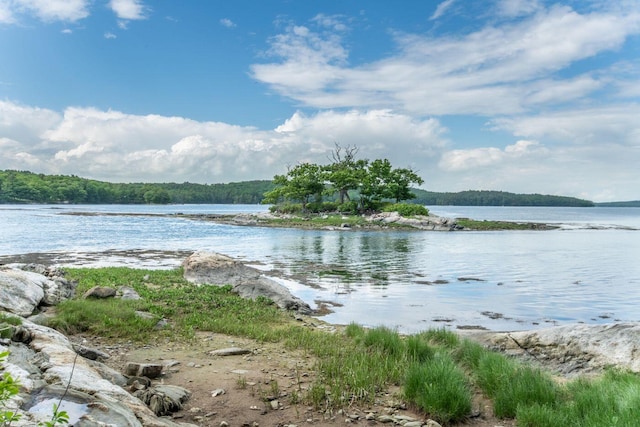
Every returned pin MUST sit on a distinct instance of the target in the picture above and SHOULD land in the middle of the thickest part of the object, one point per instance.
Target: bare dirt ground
(262, 388)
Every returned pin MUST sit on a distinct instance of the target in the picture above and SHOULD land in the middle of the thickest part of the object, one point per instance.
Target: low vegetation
(438, 372)
(485, 225)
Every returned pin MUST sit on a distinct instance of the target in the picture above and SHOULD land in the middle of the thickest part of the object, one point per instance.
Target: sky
(526, 96)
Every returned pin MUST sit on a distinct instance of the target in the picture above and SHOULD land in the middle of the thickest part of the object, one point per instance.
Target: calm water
(587, 271)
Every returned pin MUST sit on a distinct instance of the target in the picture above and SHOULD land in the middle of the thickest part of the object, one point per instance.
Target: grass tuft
(439, 387)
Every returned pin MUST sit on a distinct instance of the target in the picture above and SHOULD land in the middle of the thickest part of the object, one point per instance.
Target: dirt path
(262, 388)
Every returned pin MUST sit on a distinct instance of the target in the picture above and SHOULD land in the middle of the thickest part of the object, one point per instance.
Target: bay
(585, 271)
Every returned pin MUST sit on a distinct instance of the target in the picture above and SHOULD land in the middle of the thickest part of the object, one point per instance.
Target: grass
(437, 371)
(486, 225)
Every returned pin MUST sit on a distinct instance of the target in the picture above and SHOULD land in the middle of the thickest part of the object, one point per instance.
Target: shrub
(350, 207)
(407, 209)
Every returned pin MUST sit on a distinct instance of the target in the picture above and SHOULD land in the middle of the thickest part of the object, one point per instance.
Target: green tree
(301, 183)
(345, 172)
(399, 185)
(382, 182)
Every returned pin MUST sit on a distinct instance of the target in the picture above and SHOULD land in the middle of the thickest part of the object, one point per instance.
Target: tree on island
(374, 182)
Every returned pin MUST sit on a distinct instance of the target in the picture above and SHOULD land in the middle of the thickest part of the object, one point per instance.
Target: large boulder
(217, 269)
(23, 287)
(574, 348)
(21, 291)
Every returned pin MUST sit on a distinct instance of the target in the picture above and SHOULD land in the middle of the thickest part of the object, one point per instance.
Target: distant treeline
(630, 204)
(494, 198)
(28, 187)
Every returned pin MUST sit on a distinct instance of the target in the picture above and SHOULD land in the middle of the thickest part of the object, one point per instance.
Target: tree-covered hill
(495, 198)
(28, 187)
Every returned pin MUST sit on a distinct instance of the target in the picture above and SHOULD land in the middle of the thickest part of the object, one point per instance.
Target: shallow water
(587, 271)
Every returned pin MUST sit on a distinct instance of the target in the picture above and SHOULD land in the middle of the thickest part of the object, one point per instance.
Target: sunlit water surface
(586, 271)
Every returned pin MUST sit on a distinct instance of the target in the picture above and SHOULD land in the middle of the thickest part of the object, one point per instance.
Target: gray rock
(149, 370)
(21, 291)
(570, 349)
(231, 351)
(90, 353)
(128, 293)
(164, 399)
(100, 292)
(50, 360)
(216, 269)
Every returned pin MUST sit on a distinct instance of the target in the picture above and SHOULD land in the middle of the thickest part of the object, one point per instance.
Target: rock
(231, 351)
(100, 292)
(49, 363)
(56, 288)
(149, 370)
(128, 293)
(431, 423)
(216, 269)
(217, 392)
(572, 348)
(90, 353)
(164, 399)
(21, 291)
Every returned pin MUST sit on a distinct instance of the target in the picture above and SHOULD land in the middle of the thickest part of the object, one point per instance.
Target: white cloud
(226, 22)
(441, 9)
(332, 22)
(112, 145)
(109, 35)
(6, 14)
(457, 160)
(128, 9)
(55, 10)
(603, 125)
(494, 70)
(67, 31)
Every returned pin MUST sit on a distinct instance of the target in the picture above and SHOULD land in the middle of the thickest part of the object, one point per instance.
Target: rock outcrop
(572, 349)
(48, 366)
(24, 287)
(216, 269)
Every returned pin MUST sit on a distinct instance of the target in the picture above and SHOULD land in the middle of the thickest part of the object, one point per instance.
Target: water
(586, 271)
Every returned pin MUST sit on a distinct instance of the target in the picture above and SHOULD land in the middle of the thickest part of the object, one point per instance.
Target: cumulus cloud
(53, 10)
(456, 160)
(113, 145)
(128, 9)
(494, 70)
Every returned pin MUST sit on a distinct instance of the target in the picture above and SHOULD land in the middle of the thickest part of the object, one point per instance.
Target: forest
(26, 187)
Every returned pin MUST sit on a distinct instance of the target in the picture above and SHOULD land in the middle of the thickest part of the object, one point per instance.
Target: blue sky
(514, 95)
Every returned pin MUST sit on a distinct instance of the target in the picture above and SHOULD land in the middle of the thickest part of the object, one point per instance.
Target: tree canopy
(372, 181)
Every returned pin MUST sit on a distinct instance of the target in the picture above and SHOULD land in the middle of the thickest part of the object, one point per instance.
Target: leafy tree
(345, 172)
(399, 184)
(301, 183)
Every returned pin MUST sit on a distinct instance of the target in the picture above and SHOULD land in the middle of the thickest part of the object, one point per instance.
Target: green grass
(440, 388)
(437, 371)
(485, 225)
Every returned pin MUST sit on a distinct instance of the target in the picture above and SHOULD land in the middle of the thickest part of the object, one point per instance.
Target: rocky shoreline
(47, 363)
